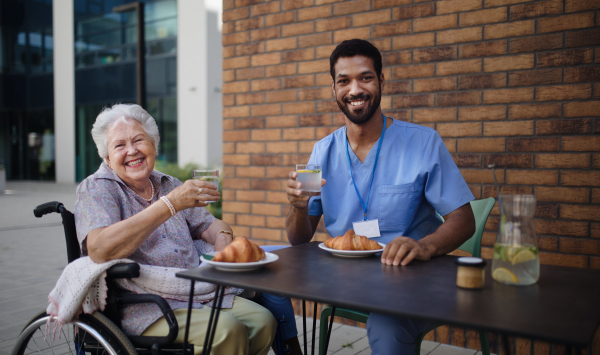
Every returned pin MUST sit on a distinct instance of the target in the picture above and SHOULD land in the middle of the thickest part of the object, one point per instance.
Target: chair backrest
(481, 211)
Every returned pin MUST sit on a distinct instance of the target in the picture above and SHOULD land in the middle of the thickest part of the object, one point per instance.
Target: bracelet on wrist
(169, 205)
(225, 232)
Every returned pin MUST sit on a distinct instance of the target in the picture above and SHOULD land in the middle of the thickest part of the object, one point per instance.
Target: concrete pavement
(33, 255)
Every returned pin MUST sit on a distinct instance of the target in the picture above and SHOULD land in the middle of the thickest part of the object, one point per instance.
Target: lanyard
(365, 206)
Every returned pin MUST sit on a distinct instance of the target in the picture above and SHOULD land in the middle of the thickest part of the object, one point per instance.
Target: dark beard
(365, 115)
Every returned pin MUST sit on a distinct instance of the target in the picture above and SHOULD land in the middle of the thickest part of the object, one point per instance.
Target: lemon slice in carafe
(504, 275)
(523, 256)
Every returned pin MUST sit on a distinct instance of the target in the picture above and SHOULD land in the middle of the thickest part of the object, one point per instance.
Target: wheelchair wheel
(96, 335)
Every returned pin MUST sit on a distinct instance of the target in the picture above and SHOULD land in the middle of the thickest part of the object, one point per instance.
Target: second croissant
(351, 241)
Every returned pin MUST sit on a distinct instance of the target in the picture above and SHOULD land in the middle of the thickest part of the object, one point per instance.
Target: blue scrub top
(415, 177)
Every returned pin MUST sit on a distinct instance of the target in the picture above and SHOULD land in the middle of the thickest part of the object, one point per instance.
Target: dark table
(563, 307)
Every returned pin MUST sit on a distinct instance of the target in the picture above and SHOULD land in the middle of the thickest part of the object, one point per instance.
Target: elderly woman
(128, 210)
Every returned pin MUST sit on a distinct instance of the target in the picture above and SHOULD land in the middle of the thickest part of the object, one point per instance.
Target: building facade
(61, 62)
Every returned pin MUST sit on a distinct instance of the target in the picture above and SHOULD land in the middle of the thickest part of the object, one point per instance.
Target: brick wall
(507, 82)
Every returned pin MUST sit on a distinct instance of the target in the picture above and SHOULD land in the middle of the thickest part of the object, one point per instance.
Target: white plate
(219, 265)
(352, 253)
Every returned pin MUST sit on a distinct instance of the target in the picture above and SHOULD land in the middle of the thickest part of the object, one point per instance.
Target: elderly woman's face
(131, 152)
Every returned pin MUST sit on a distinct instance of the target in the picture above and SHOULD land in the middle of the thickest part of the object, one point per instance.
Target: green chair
(481, 211)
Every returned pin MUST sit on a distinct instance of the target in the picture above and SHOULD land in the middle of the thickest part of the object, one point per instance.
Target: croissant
(351, 241)
(241, 250)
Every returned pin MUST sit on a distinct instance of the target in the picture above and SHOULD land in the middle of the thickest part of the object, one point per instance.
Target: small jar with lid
(470, 272)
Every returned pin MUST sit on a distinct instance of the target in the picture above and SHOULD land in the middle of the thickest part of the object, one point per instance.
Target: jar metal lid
(470, 261)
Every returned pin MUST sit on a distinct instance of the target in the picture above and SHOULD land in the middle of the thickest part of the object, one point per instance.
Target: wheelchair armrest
(147, 341)
(123, 271)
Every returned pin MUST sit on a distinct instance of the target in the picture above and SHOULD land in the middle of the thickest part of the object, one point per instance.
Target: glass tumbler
(310, 177)
(211, 176)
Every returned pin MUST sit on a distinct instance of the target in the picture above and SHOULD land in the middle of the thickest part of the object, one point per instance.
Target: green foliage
(185, 173)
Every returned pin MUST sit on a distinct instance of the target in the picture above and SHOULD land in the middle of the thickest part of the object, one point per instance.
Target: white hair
(111, 115)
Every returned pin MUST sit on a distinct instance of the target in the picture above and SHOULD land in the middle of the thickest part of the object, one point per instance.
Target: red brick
(436, 54)
(298, 81)
(565, 58)
(392, 87)
(276, 222)
(566, 22)
(228, 4)
(250, 220)
(323, 132)
(235, 207)
(407, 101)
(317, 12)
(324, 51)
(342, 35)
(281, 95)
(577, 245)
(581, 74)
(266, 33)
(563, 194)
(229, 100)
(266, 209)
(235, 14)
(536, 9)
(313, 67)
(228, 124)
(280, 18)
(266, 110)
(484, 49)
(494, 3)
(576, 5)
(533, 144)
(536, 43)
(531, 177)
(282, 147)
(250, 147)
(266, 84)
(264, 233)
(324, 79)
(480, 145)
(296, 4)
(249, 73)
(491, 191)
(395, 58)
(249, 49)
(507, 95)
(242, 3)
(581, 143)
(228, 148)
(511, 29)
(560, 260)
(299, 55)
(434, 115)
(282, 45)
(315, 40)
(469, 34)
(468, 98)
(435, 23)
(393, 29)
(579, 109)
(467, 129)
(235, 87)
(371, 18)
(515, 62)
(281, 121)
(239, 62)
(281, 70)
(228, 75)
(278, 172)
(584, 38)
(266, 135)
(413, 71)
(351, 7)
(296, 29)
(484, 81)
(535, 77)
(508, 128)
(238, 111)
(434, 84)
(266, 184)
(333, 24)
(580, 178)
(485, 113)
(378, 4)
(327, 106)
(249, 99)
(293, 159)
(479, 176)
(248, 24)
(450, 6)
(564, 127)
(301, 107)
(534, 111)
(250, 172)
(516, 161)
(265, 59)
(467, 160)
(410, 12)
(562, 161)
(459, 67)
(564, 92)
(414, 41)
(482, 17)
(243, 123)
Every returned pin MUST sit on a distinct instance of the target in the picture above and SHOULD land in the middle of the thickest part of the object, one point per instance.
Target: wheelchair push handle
(48, 207)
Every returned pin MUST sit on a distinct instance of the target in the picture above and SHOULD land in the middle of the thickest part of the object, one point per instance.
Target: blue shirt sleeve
(445, 187)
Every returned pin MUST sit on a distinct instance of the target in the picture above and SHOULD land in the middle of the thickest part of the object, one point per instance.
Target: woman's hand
(193, 193)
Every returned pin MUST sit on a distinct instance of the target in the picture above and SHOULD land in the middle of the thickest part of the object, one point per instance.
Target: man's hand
(403, 250)
(294, 193)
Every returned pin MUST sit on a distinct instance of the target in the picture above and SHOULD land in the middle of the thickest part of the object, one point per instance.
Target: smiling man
(384, 177)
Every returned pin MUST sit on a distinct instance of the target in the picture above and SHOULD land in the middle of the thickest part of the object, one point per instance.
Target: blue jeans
(390, 335)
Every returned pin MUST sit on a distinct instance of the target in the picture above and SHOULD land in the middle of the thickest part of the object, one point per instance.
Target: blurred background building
(62, 61)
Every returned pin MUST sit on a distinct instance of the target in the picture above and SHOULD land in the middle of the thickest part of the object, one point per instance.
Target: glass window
(161, 29)
(160, 10)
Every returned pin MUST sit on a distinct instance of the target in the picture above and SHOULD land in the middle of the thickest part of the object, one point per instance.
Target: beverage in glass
(211, 176)
(310, 177)
(516, 257)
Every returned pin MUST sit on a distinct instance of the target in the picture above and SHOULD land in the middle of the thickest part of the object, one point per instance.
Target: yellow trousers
(245, 329)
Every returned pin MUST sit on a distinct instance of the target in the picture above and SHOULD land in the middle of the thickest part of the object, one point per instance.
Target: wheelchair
(98, 333)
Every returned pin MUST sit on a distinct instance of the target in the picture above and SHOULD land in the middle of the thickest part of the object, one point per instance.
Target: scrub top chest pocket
(397, 205)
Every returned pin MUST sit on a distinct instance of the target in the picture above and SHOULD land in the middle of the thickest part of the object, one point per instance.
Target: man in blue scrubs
(388, 177)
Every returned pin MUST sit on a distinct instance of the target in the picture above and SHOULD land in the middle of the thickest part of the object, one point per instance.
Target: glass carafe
(516, 258)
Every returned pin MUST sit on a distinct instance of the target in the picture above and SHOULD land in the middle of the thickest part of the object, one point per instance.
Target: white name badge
(369, 229)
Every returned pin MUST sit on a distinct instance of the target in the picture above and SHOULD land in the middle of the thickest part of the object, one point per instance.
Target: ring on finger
(200, 190)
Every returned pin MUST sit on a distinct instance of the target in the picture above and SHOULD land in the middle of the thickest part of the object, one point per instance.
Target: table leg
(314, 327)
(218, 302)
(507, 349)
(304, 326)
(329, 330)
(209, 328)
(189, 317)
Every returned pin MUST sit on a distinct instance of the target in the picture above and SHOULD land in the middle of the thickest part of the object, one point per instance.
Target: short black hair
(353, 47)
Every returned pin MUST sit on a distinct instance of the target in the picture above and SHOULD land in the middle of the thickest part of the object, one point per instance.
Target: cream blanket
(82, 287)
